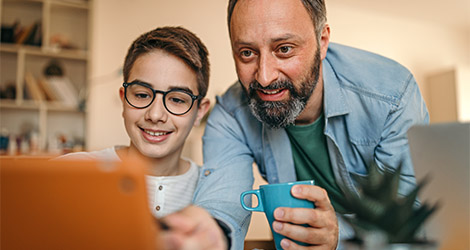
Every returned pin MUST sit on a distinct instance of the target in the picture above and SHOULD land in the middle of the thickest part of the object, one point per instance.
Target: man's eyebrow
(242, 43)
(283, 37)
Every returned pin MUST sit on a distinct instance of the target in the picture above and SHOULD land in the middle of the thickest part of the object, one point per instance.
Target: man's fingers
(322, 229)
(300, 233)
(316, 194)
(312, 217)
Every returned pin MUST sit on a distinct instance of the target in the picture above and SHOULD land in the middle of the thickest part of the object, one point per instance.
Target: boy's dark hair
(177, 41)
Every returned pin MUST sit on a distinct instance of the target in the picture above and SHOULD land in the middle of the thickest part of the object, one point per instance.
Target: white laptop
(443, 151)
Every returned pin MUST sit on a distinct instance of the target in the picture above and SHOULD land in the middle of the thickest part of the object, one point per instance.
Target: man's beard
(280, 114)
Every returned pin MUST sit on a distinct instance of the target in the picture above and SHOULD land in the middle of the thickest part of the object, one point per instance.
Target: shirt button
(160, 187)
(157, 208)
(207, 172)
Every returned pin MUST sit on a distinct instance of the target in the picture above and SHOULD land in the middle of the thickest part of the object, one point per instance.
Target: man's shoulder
(342, 54)
(357, 68)
(233, 98)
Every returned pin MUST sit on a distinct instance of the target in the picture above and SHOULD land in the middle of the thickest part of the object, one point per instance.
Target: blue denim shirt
(369, 104)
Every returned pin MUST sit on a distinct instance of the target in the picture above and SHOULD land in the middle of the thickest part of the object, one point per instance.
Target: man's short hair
(177, 41)
(315, 8)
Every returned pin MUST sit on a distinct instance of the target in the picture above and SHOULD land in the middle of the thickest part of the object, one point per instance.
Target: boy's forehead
(164, 71)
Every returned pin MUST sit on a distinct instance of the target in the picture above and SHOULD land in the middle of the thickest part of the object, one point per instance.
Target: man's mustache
(255, 85)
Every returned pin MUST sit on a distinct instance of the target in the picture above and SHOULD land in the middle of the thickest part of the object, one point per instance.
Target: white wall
(422, 46)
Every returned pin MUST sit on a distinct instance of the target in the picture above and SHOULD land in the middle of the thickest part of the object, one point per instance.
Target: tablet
(69, 204)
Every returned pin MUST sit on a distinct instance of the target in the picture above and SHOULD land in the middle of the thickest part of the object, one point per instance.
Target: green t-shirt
(311, 159)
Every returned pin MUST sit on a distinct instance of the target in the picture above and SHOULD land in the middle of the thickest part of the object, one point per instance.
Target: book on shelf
(33, 88)
(29, 35)
(49, 92)
(64, 89)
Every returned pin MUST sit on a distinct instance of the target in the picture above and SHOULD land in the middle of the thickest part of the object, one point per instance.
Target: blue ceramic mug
(272, 196)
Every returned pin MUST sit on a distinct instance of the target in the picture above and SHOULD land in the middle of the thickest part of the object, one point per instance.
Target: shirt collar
(334, 102)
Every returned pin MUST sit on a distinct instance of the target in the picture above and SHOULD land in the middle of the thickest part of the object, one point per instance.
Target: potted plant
(383, 219)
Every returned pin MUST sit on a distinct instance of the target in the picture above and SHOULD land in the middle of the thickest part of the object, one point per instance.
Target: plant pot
(378, 241)
(348, 245)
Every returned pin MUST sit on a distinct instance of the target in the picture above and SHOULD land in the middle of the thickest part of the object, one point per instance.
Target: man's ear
(202, 110)
(324, 40)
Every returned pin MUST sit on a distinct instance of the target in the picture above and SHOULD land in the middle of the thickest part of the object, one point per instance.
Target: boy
(166, 76)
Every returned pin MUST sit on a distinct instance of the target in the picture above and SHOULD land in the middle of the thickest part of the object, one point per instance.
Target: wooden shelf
(46, 52)
(35, 105)
(63, 24)
(65, 3)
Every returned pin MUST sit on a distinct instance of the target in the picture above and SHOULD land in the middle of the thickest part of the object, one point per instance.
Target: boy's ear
(121, 94)
(204, 106)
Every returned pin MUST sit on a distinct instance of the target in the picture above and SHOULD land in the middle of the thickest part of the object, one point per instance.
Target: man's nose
(267, 69)
(156, 111)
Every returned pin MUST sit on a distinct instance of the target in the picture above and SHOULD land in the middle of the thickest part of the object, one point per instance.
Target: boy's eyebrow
(181, 88)
(172, 87)
(146, 84)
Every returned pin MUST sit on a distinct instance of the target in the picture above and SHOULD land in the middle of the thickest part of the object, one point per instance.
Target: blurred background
(61, 63)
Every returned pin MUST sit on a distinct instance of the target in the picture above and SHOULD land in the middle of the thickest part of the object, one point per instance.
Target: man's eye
(285, 49)
(246, 53)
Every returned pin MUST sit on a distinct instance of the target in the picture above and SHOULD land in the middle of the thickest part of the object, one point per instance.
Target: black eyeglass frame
(164, 93)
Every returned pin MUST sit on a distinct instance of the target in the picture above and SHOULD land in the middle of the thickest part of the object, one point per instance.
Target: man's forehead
(269, 20)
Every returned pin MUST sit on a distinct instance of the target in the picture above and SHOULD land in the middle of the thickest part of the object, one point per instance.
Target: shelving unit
(65, 29)
(449, 90)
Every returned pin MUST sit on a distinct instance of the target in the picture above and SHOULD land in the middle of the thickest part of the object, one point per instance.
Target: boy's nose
(156, 111)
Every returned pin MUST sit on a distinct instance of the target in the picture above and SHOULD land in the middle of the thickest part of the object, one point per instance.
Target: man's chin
(279, 114)
(272, 118)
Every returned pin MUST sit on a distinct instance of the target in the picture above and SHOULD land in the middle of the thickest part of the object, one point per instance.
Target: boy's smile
(154, 131)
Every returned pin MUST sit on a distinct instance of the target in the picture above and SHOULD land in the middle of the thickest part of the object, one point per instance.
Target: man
(303, 108)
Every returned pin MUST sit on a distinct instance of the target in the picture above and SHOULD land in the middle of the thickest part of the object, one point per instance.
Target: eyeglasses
(176, 101)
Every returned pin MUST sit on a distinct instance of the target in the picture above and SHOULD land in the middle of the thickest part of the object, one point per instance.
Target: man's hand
(323, 230)
(193, 228)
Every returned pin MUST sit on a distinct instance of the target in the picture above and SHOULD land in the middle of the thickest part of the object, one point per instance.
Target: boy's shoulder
(107, 154)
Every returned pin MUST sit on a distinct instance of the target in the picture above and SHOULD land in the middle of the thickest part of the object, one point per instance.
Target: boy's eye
(177, 100)
(142, 95)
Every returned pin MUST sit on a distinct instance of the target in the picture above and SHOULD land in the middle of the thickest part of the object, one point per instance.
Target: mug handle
(258, 208)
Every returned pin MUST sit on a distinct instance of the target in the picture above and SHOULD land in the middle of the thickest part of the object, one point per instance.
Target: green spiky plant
(379, 208)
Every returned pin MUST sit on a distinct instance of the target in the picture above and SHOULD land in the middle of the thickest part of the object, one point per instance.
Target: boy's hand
(192, 228)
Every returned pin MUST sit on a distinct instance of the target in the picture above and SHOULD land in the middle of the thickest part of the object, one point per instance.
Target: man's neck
(314, 107)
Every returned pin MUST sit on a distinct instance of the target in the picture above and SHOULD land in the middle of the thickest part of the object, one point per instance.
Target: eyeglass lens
(176, 102)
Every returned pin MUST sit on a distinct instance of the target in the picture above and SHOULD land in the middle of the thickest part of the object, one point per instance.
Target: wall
(422, 46)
